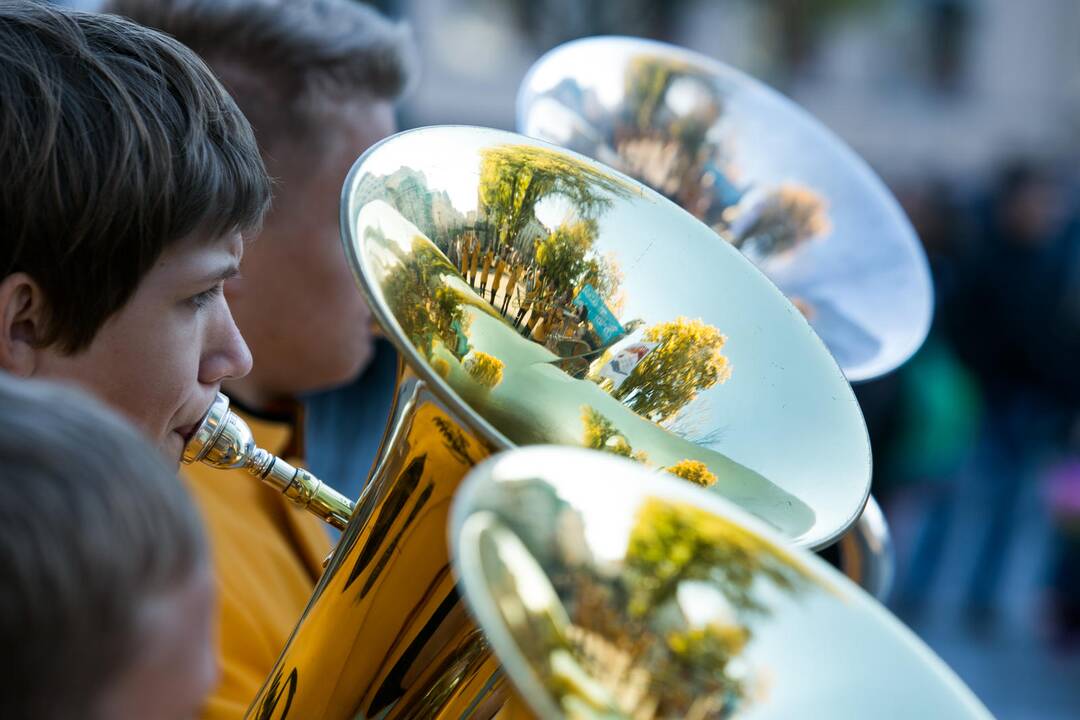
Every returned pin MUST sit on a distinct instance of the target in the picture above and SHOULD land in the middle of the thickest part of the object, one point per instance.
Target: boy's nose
(230, 357)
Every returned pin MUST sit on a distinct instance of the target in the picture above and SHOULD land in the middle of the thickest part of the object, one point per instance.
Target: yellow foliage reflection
(484, 369)
(673, 543)
(687, 361)
(695, 471)
(784, 219)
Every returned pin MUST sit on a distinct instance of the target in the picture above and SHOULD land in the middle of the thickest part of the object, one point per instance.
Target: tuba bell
(538, 297)
(611, 592)
(768, 179)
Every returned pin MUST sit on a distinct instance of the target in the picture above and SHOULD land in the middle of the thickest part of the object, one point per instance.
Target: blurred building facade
(943, 87)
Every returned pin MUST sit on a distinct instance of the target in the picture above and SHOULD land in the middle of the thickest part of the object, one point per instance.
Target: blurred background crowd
(970, 111)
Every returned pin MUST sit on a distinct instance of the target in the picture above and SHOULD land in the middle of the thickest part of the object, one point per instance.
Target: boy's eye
(205, 297)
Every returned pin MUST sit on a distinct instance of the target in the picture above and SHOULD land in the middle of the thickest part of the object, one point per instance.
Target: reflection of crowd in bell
(515, 285)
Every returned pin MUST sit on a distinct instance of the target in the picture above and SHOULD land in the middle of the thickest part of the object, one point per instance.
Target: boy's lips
(187, 431)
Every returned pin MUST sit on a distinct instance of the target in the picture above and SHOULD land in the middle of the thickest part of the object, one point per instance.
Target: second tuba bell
(538, 297)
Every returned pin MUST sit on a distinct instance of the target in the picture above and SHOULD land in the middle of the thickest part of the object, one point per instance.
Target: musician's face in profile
(297, 301)
(173, 666)
(161, 358)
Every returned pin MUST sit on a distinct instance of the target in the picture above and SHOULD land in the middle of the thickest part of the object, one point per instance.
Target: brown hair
(287, 61)
(93, 525)
(115, 142)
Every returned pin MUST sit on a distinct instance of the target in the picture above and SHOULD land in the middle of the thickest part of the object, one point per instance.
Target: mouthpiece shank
(225, 441)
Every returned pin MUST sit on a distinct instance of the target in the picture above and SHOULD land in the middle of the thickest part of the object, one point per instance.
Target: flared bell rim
(486, 430)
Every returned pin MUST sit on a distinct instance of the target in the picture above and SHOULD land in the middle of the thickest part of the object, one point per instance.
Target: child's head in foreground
(106, 598)
(129, 176)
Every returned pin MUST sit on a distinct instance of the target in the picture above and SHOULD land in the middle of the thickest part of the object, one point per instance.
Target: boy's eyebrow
(229, 271)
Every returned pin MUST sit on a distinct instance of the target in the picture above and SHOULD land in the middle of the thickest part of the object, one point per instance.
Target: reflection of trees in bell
(567, 262)
(674, 543)
(695, 471)
(655, 631)
(515, 178)
(650, 84)
(601, 434)
(687, 361)
(787, 217)
(671, 544)
(662, 135)
(484, 368)
(561, 256)
(423, 304)
(700, 659)
(630, 633)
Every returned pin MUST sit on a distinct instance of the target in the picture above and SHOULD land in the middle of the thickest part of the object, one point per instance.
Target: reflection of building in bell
(409, 192)
(407, 189)
(535, 528)
(370, 187)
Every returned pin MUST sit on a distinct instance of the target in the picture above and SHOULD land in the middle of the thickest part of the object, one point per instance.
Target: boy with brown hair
(318, 80)
(128, 177)
(106, 596)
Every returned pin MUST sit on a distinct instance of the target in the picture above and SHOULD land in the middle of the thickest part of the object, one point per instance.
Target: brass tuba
(610, 592)
(538, 297)
(768, 179)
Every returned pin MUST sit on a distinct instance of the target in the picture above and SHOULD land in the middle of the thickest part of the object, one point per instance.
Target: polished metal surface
(760, 171)
(224, 441)
(867, 555)
(386, 634)
(208, 434)
(609, 591)
(556, 301)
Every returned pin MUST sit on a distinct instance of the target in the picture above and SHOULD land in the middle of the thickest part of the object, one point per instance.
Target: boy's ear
(22, 317)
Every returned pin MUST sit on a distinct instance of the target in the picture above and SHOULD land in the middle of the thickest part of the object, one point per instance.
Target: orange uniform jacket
(267, 555)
